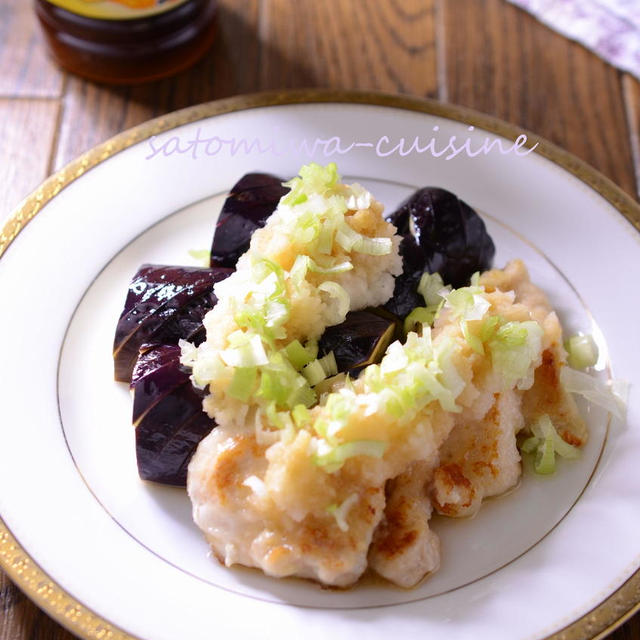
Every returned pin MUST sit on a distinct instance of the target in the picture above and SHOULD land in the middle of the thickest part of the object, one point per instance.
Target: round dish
(536, 594)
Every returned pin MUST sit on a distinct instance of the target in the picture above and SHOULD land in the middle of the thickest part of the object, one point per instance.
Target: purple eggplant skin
(164, 303)
(360, 340)
(249, 203)
(405, 296)
(443, 234)
(167, 415)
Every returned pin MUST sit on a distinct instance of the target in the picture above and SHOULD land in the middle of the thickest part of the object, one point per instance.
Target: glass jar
(127, 41)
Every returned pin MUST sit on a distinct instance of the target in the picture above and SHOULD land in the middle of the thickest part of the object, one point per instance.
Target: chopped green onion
(395, 402)
(299, 270)
(547, 442)
(430, 287)
(298, 355)
(395, 359)
(472, 339)
(340, 294)
(203, 256)
(412, 375)
(467, 303)
(282, 384)
(530, 444)
(340, 513)
(543, 428)
(303, 264)
(312, 348)
(313, 179)
(451, 379)
(325, 238)
(340, 267)
(301, 415)
(373, 246)
(490, 326)
(347, 237)
(304, 395)
(307, 228)
(250, 320)
(338, 408)
(350, 240)
(360, 198)
(329, 364)
(314, 372)
(276, 313)
(514, 349)
(207, 366)
(242, 383)
(564, 449)
(419, 315)
(545, 462)
(251, 354)
(262, 268)
(336, 456)
(582, 351)
(325, 385)
(317, 178)
(295, 196)
(272, 388)
(274, 416)
(513, 334)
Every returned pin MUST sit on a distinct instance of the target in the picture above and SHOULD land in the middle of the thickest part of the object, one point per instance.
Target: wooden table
(484, 54)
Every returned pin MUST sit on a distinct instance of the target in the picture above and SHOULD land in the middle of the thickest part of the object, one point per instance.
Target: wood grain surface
(484, 54)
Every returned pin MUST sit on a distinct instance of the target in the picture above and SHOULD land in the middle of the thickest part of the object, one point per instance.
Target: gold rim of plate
(618, 607)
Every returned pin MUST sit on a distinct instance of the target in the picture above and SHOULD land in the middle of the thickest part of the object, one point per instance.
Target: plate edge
(16, 562)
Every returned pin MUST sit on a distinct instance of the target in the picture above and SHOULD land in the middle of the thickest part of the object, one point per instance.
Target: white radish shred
(610, 395)
(256, 485)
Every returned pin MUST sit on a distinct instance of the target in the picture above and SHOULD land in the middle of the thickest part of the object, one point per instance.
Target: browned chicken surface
(262, 502)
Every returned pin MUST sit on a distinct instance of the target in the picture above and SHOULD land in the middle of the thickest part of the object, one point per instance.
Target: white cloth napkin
(610, 28)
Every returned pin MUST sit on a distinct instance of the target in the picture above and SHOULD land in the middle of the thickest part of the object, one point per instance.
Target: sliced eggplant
(443, 234)
(167, 415)
(360, 340)
(164, 304)
(405, 296)
(250, 202)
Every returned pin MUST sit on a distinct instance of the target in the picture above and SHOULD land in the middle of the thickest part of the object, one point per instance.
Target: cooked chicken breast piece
(479, 459)
(404, 549)
(302, 493)
(267, 504)
(276, 519)
(546, 395)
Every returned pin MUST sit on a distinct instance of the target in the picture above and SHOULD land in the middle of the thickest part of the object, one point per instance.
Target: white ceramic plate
(123, 556)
